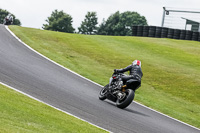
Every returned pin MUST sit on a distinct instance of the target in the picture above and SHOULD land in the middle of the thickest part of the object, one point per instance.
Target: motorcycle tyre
(127, 101)
(102, 96)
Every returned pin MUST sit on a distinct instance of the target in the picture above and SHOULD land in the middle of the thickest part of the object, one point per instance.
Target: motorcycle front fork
(110, 81)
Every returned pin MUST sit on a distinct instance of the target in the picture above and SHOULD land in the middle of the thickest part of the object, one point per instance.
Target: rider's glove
(115, 71)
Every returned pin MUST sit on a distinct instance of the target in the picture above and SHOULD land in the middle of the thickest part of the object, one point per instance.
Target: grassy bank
(171, 82)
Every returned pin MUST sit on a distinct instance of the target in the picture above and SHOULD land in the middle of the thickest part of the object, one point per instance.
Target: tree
(4, 13)
(88, 26)
(101, 29)
(109, 27)
(120, 24)
(59, 21)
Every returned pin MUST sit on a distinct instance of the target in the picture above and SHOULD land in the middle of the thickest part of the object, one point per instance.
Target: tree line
(118, 24)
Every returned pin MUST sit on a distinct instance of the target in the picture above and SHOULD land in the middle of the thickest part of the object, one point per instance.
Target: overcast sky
(33, 13)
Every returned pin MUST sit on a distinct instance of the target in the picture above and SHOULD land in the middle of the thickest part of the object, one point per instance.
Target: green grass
(171, 68)
(19, 113)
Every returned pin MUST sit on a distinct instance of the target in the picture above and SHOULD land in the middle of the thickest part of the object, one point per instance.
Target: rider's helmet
(136, 62)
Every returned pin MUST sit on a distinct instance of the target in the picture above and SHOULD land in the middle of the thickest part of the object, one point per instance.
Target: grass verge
(171, 82)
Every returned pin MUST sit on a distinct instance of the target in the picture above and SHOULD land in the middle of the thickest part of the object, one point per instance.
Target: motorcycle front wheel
(130, 94)
(103, 92)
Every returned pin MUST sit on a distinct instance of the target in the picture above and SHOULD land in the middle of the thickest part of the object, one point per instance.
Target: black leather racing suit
(135, 72)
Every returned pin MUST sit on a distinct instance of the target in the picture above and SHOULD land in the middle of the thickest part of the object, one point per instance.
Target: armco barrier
(158, 32)
(195, 36)
(140, 30)
(152, 31)
(163, 32)
(145, 31)
(182, 34)
(199, 38)
(177, 34)
(188, 35)
(170, 33)
(134, 30)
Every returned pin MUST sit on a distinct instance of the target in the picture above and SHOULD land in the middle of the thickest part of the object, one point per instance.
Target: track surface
(26, 71)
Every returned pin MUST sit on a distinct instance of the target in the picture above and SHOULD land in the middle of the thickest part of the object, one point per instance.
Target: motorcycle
(8, 20)
(120, 92)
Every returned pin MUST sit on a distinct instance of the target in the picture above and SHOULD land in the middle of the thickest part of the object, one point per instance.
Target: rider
(135, 71)
(8, 19)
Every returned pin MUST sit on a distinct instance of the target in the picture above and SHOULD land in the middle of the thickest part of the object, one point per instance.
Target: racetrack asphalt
(34, 75)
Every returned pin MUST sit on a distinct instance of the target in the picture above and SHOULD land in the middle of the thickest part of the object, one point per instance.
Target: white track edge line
(93, 81)
(51, 105)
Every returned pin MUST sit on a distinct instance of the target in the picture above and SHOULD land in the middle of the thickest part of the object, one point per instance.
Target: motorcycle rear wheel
(130, 94)
(103, 92)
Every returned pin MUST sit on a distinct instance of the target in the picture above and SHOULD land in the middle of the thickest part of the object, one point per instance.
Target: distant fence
(162, 32)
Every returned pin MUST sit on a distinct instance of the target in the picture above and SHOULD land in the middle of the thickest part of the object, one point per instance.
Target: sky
(33, 13)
